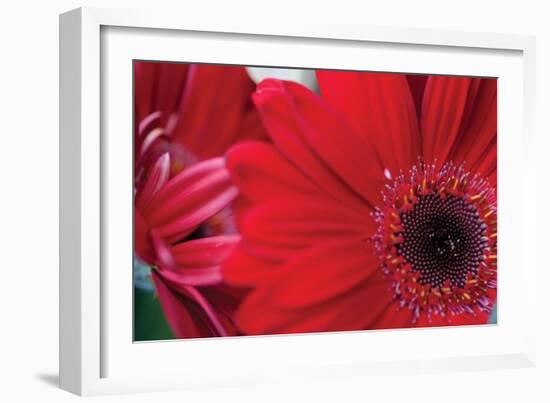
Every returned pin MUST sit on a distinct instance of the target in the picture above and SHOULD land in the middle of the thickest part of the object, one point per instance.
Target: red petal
(353, 310)
(215, 321)
(163, 253)
(171, 81)
(417, 84)
(445, 101)
(201, 276)
(157, 176)
(318, 274)
(245, 269)
(493, 178)
(176, 311)
(318, 141)
(190, 198)
(240, 206)
(158, 88)
(290, 224)
(209, 311)
(187, 177)
(144, 88)
(369, 300)
(479, 128)
(215, 104)
(197, 262)
(204, 252)
(487, 162)
(225, 300)
(433, 320)
(251, 126)
(196, 212)
(142, 242)
(261, 172)
(464, 319)
(394, 317)
(381, 107)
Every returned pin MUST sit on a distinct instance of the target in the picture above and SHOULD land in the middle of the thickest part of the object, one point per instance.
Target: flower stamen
(437, 240)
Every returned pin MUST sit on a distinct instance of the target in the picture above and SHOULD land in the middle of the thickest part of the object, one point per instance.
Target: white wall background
(29, 201)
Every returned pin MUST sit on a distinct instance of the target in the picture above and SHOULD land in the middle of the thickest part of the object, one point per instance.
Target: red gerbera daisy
(186, 118)
(374, 207)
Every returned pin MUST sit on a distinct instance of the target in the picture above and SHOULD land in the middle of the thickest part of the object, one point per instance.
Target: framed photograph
(243, 202)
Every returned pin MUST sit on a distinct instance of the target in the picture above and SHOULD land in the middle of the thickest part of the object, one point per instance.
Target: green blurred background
(149, 322)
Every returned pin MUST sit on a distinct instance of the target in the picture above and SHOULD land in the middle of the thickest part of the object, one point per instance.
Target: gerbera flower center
(436, 240)
(443, 239)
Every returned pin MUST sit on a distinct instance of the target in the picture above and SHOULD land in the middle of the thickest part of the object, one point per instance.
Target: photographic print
(275, 201)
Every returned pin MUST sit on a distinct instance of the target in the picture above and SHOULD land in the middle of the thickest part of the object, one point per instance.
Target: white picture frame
(96, 355)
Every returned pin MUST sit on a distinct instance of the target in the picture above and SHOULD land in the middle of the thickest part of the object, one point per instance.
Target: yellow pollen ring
(474, 198)
(395, 228)
(395, 239)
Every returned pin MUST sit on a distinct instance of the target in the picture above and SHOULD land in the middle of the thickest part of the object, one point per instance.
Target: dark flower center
(437, 240)
(443, 239)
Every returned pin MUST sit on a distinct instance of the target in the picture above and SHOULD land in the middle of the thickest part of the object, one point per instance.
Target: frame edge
(70, 118)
